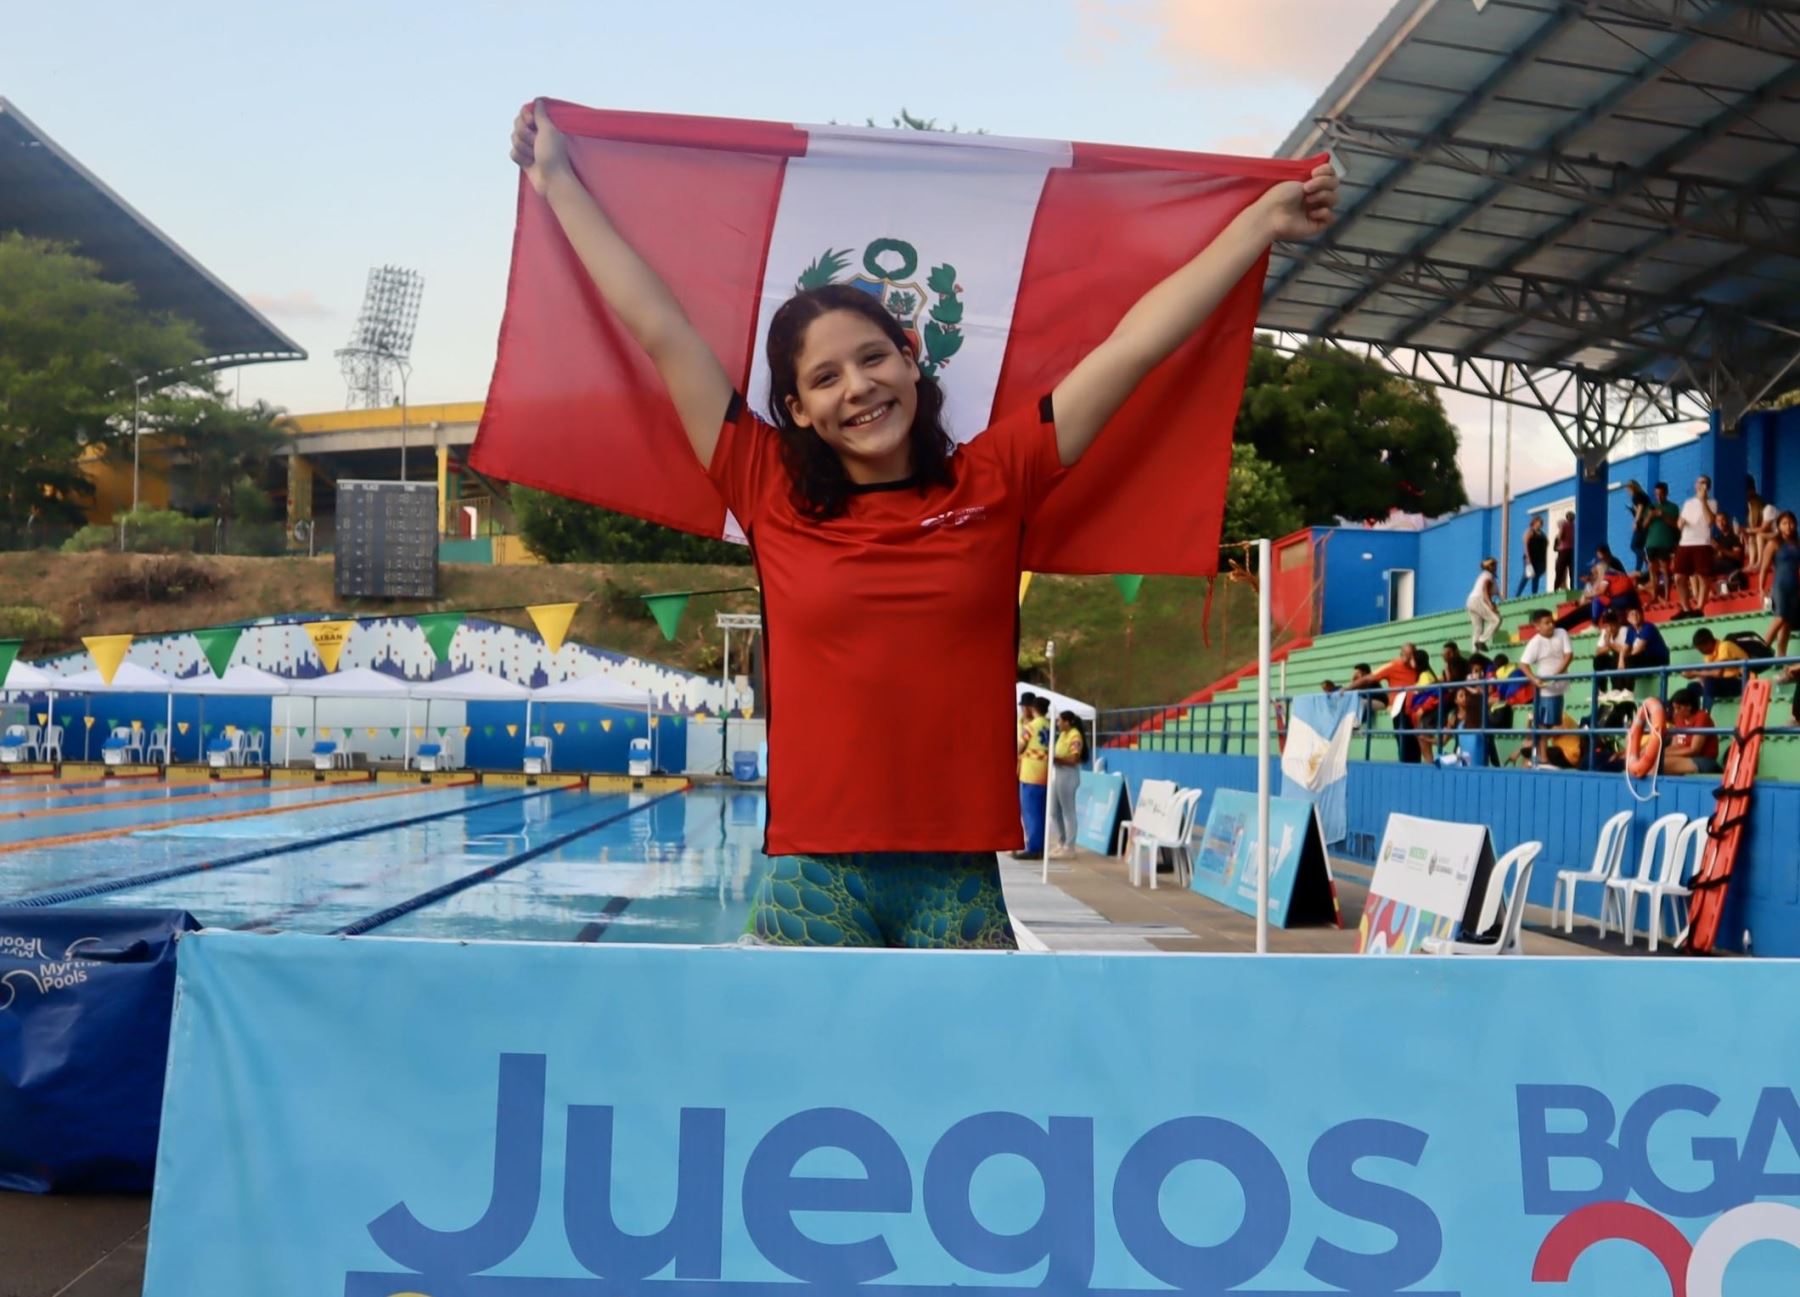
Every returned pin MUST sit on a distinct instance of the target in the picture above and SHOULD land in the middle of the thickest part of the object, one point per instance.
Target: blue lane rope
(455, 885)
(63, 896)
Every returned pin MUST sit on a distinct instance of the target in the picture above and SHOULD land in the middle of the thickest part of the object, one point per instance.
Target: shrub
(168, 579)
(27, 621)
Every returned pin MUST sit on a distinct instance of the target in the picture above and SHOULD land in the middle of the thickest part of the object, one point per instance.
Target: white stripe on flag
(961, 201)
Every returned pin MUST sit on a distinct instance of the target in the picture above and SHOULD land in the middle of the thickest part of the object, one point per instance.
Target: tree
(72, 347)
(568, 531)
(1352, 439)
(1257, 502)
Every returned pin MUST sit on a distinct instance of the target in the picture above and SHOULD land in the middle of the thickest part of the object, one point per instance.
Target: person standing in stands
(1639, 504)
(1537, 551)
(1544, 659)
(1034, 772)
(1565, 553)
(1484, 612)
(1661, 536)
(1067, 756)
(1694, 555)
(1782, 557)
(1399, 676)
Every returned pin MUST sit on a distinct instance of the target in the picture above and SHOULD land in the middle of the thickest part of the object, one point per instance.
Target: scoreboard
(387, 540)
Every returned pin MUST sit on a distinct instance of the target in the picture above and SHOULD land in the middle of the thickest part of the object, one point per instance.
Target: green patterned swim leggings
(927, 899)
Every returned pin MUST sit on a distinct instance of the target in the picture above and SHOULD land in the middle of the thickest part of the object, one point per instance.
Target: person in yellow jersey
(1068, 758)
(1034, 772)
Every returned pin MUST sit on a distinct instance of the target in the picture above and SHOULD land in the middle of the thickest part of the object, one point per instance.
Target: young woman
(1068, 757)
(889, 562)
(1783, 557)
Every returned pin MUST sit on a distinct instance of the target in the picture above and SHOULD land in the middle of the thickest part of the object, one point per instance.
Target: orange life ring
(1644, 744)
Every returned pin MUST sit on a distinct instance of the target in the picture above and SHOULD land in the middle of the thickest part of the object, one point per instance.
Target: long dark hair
(821, 487)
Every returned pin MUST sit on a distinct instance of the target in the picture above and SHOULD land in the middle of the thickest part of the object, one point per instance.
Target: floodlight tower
(381, 343)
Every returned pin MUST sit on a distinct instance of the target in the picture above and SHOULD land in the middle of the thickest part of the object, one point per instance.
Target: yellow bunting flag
(89, 720)
(181, 727)
(43, 718)
(370, 730)
(109, 651)
(465, 731)
(1024, 585)
(747, 712)
(418, 731)
(558, 726)
(653, 721)
(552, 622)
(324, 731)
(280, 730)
(700, 715)
(230, 731)
(328, 638)
(512, 731)
(607, 726)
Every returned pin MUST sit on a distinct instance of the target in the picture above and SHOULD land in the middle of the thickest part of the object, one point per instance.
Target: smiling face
(858, 391)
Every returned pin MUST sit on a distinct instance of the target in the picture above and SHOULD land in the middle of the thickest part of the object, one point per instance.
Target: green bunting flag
(205, 729)
(631, 722)
(1129, 586)
(9, 652)
(488, 730)
(667, 609)
(394, 731)
(443, 730)
(300, 730)
(581, 727)
(219, 643)
(112, 723)
(440, 628)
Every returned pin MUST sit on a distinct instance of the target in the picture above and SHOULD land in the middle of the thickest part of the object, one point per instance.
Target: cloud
(298, 304)
(1207, 41)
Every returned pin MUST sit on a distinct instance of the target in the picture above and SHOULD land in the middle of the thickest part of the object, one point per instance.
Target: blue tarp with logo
(85, 999)
(369, 1117)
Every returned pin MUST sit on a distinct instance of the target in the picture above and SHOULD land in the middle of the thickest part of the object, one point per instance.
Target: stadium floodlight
(381, 343)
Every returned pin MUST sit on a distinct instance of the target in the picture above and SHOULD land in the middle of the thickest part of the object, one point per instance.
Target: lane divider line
(455, 885)
(169, 795)
(99, 835)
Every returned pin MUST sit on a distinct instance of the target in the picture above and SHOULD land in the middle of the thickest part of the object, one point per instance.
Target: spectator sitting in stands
(1728, 555)
(1718, 682)
(1328, 686)
(1475, 747)
(1425, 704)
(1644, 645)
(1689, 753)
(1456, 666)
(1509, 687)
(1605, 556)
(1606, 589)
(1609, 648)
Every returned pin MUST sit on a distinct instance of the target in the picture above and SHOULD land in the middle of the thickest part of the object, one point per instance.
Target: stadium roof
(48, 194)
(1602, 188)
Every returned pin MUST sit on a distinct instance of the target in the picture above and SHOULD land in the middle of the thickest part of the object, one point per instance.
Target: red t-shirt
(1698, 746)
(892, 643)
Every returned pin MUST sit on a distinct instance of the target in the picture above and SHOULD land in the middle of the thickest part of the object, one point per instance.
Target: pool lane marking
(273, 922)
(451, 888)
(106, 886)
(99, 835)
(10, 792)
(171, 795)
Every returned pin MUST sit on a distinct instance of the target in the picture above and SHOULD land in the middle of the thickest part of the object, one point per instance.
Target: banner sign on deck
(1098, 802)
(1301, 889)
(369, 1117)
(1428, 876)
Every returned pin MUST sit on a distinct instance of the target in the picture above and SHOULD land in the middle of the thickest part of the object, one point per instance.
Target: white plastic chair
(158, 750)
(1158, 821)
(1679, 865)
(537, 754)
(1659, 841)
(1609, 854)
(1183, 851)
(1510, 940)
(252, 752)
(52, 744)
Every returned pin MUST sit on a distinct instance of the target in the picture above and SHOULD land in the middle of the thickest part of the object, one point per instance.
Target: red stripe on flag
(1149, 495)
(575, 407)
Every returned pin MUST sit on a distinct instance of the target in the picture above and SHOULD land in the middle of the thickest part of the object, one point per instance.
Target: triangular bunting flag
(43, 718)
(631, 722)
(205, 729)
(181, 728)
(393, 731)
(537, 731)
(230, 730)
(1024, 585)
(372, 731)
(324, 731)
(136, 725)
(440, 629)
(328, 639)
(112, 722)
(9, 650)
(558, 727)
(108, 651)
(1129, 586)
(667, 609)
(488, 730)
(218, 643)
(300, 730)
(89, 720)
(445, 729)
(581, 727)
(605, 725)
(746, 712)
(280, 730)
(653, 721)
(701, 715)
(418, 731)
(512, 731)
(552, 622)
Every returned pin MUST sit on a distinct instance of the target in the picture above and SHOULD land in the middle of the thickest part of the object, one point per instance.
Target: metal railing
(1228, 726)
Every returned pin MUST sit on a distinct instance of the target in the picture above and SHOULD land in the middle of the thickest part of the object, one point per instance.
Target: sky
(290, 147)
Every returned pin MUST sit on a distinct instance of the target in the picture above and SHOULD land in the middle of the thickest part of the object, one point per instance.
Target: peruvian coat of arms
(930, 314)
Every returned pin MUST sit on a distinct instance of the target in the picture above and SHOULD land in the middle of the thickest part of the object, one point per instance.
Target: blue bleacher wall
(1445, 555)
(1564, 810)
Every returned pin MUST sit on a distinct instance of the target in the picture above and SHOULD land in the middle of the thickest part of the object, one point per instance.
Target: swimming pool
(469, 862)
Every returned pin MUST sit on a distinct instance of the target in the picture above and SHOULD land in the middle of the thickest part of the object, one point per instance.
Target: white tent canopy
(1059, 703)
(25, 678)
(357, 682)
(473, 687)
(130, 678)
(242, 681)
(594, 688)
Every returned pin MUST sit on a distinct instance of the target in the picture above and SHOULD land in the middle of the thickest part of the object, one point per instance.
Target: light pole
(137, 401)
(405, 374)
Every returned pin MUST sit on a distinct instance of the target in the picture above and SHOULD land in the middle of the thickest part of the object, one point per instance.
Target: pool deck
(94, 1246)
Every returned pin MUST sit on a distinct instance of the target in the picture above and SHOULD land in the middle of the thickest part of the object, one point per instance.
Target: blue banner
(1097, 802)
(368, 1117)
(1225, 860)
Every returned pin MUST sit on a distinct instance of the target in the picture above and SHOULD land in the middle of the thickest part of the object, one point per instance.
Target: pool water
(457, 862)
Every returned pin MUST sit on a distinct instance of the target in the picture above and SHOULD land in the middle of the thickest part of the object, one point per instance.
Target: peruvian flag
(1005, 261)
